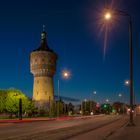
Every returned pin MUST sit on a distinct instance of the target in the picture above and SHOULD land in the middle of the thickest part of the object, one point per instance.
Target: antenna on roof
(43, 28)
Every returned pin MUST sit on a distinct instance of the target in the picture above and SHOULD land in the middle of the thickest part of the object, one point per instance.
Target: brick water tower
(43, 67)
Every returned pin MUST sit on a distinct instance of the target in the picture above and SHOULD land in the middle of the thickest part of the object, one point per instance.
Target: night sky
(75, 33)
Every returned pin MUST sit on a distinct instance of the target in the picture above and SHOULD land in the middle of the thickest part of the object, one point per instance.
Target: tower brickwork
(43, 67)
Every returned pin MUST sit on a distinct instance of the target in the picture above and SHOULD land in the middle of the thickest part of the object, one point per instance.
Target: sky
(75, 32)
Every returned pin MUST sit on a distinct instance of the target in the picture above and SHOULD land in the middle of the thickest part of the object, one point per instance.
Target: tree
(9, 102)
(30, 109)
(53, 109)
(3, 95)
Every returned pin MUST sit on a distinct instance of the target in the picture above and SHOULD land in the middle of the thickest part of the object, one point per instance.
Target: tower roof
(43, 46)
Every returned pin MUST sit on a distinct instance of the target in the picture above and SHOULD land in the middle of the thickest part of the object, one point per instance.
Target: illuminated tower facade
(43, 67)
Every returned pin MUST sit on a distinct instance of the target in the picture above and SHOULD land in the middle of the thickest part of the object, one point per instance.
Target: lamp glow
(126, 82)
(66, 74)
(108, 16)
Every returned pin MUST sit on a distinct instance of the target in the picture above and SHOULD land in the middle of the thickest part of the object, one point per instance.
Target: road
(58, 130)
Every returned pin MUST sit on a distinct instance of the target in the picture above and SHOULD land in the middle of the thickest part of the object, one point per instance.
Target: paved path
(128, 132)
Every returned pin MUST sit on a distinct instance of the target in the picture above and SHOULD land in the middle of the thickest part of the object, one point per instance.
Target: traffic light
(105, 106)
(113, 111)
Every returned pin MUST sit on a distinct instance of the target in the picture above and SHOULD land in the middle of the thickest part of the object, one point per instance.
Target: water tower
(43, 67)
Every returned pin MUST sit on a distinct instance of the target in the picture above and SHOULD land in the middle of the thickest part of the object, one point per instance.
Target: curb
(49, 119)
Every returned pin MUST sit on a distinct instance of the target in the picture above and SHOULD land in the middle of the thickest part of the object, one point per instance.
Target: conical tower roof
(43, 46)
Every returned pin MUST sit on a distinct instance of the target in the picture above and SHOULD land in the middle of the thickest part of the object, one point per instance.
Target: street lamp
(20, 106)
(94, 93)
(107, 100)
(65, 75)
(85, 101)
(126, 82)
(122, 95)
(108, 16)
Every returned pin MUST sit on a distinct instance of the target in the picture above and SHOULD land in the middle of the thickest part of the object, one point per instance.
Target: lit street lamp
(126, 82)
(94, 93)
(107, 100)
(85, 101)
(65, 74)
(107, 17)
(120, 95)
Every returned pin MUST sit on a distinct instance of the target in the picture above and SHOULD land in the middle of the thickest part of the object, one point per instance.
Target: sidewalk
(62, 118)
(128, 132)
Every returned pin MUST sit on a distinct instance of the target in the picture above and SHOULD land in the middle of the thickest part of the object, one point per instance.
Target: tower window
(45, 92)
(35, 60)
(37, 81)
(37, 93)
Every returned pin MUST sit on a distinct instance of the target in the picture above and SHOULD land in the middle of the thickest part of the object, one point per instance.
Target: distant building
(137, 109)
(43, 67)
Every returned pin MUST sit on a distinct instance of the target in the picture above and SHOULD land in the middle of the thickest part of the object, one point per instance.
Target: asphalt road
(55, 130)
(103, 132)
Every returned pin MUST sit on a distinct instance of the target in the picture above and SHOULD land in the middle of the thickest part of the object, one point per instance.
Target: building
(43, 67)
(137, 109)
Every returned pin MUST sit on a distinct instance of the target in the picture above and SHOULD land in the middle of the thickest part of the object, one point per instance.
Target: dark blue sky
(73, 32)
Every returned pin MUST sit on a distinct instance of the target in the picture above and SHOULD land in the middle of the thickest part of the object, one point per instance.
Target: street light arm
(120, 13)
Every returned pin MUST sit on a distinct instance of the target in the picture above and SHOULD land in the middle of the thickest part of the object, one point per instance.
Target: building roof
(43, 46)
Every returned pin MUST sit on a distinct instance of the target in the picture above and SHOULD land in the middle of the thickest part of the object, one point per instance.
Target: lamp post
(58, 95)
(20, 107)
(108, 16)
(127, 83)
(85, 102)
(82, 110)
(120, 96)
(94, 94)
(65, 75)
